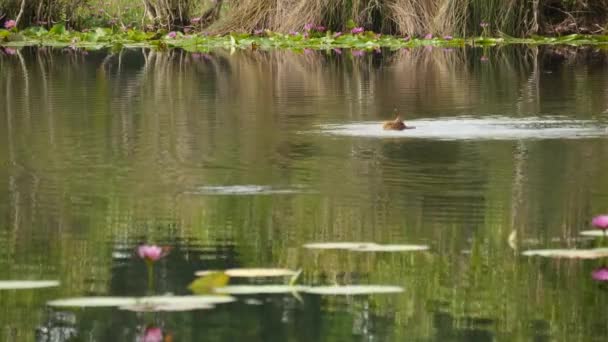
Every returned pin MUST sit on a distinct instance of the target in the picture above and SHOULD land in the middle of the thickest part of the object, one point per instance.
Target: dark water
(237, 160)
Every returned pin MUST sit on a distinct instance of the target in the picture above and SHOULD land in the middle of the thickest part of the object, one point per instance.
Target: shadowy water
(233, 161)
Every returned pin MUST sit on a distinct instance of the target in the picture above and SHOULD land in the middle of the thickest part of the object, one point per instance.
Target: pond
(244, 159)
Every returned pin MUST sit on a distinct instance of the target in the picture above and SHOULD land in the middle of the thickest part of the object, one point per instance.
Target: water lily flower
(600, 222)
(152, 334)
(258, 32)
(357, 53)
(428, 36)
(357, 30)
(320, 28)
(600, 274)
(10, 51)
(195, 21)
(150, 252)
(9, 24)
(337, 51)
(172, 34)
(294, 33)
(337, 34)
(448, 37)
(308, 27)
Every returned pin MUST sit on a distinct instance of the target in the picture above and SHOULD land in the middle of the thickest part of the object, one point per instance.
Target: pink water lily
(448, 37)
(258, 32)
(195, 21)
(357, 53)
(9, 24)
(172, 34)
(150, 252)
(600, 274)
(337, 34)
(337, 51)
(10, 51)
(357, 30)
(428, 36)
(320, 28)
(600, 222)
(152, 334)
(308, 26)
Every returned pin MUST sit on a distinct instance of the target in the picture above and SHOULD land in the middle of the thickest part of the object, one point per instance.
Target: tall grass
(405, 17)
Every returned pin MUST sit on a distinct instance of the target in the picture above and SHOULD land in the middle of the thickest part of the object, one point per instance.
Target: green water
(101, 152)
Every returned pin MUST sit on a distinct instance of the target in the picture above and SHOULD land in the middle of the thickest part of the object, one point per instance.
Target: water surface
(238, 160)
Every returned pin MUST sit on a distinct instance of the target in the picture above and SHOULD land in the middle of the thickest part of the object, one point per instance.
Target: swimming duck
(395, 125)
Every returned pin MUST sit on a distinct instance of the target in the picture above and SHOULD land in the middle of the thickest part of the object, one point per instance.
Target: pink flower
(337, 34)
(258, 32)
(308, 27)
(600, 222)
(484, 59)
(448, 37)
(195, 21)
(308, 51)
(152, 334)
(10, 51)
(357, 53)
(406, 38)
(9, 24)
(293, 33)
(320, 28)
(601, 274)
(172, 34)
(150, 252)
(337, 51)
(428, 36)
(357, 30)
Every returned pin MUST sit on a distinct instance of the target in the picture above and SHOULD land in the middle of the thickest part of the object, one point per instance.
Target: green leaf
(208, 283)
(58, 29)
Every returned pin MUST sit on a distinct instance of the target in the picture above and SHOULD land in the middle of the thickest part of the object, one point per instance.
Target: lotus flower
(308, 27)
(9, 24)
(600, 222)
(293, 33)
(150, 253)
(337, 34)
(172, 34)
(428, 36)
(195, 21)
(600, 274)
(448, 37)
(357, 30)
(152, 334)
(320, 28)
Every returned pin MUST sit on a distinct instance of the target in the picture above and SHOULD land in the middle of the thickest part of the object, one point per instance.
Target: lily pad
(595, 253)
(259, 289)
(598, 233)
(259, 272)
(391, 248)
(338, 245)
(26, 284)
(155, 301)
(351, 290)
(166, 307)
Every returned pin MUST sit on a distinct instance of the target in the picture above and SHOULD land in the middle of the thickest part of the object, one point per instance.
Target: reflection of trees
(100, 148)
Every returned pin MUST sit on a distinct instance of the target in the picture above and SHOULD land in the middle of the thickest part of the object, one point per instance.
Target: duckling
(395, 125)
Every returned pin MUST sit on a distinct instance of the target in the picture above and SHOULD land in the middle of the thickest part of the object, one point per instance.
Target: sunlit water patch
(247, 190)
(466, 128)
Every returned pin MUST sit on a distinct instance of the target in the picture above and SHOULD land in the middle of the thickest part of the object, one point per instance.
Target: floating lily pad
(390, 248)
(259, 289)
(155, 301)
(351, 290)
(259, 272)
(93, 302)
(26, 284)
(569, 253)
(338, 245)
(598, 233)
(166, 307)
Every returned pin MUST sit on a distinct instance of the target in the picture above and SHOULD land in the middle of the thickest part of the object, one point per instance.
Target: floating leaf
(259, 272)
(153, 301)
(390, 248)
(94, 302)
(569, 253)
(207, 283)
(166, 307)
(598, 233)
(259, 289)
(338, 245)
(352, 290)
(26, 284)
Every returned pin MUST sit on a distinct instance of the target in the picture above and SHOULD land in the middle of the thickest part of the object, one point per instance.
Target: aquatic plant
(9, 24)
(152, 334)
(600, 274)
(600, 222)
(150, 253)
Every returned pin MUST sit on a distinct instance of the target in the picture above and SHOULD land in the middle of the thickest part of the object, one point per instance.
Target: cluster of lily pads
(315, 37)
(600, 274)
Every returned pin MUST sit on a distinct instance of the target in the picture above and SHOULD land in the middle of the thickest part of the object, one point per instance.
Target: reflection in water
(106, 150)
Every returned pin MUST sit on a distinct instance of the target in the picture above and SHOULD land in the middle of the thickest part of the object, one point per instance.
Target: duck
(395, 125)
